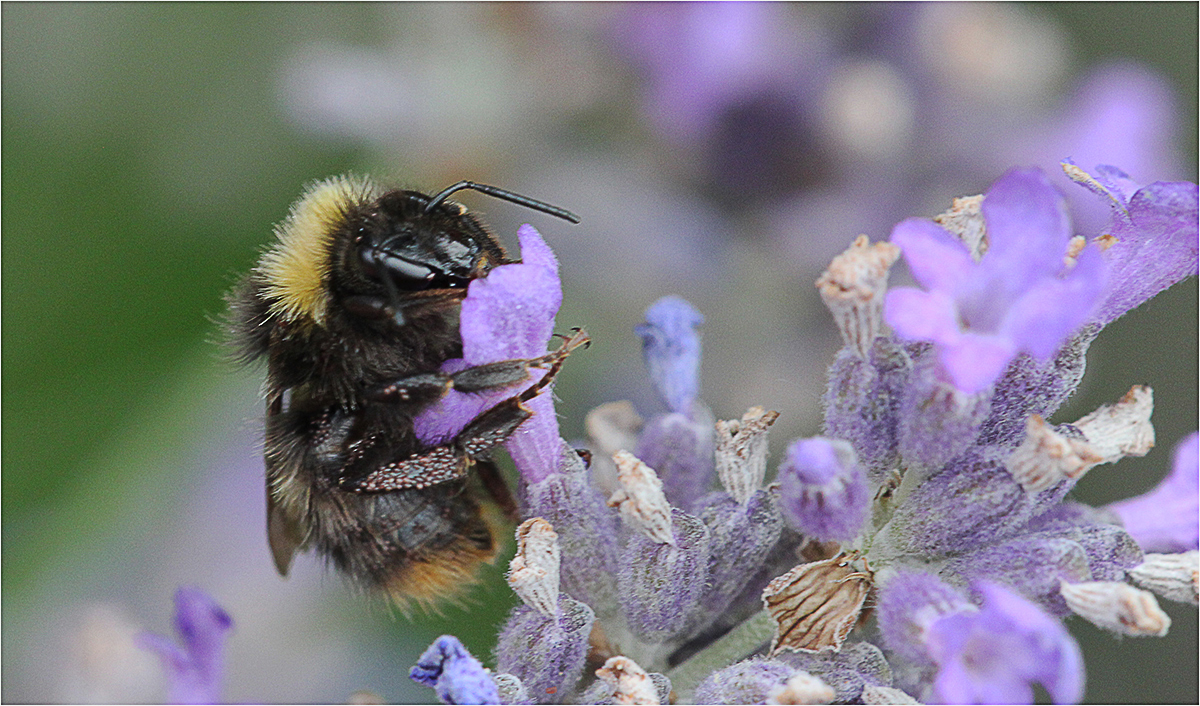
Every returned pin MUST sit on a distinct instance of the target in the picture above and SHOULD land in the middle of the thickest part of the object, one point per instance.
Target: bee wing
(285, 534)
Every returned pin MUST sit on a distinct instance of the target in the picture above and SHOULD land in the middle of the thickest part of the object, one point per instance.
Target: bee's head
(380, 253)
(401, 249)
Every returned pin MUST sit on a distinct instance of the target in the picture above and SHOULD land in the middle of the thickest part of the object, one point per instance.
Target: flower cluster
(936, 496)
(922, 549)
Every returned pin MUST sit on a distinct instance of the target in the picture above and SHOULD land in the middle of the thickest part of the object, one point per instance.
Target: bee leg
(427, 387)
(473, 444)
(450, 461)
(437, 465)
(494, 483)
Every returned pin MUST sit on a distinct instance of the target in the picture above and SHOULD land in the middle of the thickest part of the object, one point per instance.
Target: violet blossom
(456, 676)
(1016, 296)
(196, 670)
(939, 493)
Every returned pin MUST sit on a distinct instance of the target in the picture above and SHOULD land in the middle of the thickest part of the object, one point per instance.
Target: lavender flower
(992, 655)
(678, 444)
(457, 677)
(1015, 298)
(672, 351)
(195, 671)
(955, 525)
(1151, 240)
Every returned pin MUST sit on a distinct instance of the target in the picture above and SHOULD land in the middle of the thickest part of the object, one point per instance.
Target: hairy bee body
(355, 309)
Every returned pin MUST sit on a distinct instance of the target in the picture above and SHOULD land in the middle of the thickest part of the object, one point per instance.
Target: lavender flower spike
(1164, 520)
(993, 656)
(1014, 299)
(195, 672)
(456, 676)
(507, 315)
(823, 492)
(672, 350)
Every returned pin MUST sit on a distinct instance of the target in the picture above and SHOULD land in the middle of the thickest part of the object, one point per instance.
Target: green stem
(734, 645)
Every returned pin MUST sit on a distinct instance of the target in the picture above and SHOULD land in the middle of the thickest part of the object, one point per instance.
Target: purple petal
(508, 314)
(922, 316)
(1165, 519)
(982, 315)
(1155, 248)
(1041, 319)
(1028, 228)
(936, 259)
(672, 350)
(995, 655)
(195, 672)
(975, 360)
(456, 676)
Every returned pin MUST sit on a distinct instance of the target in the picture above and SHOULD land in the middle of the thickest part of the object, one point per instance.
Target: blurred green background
(148, 149)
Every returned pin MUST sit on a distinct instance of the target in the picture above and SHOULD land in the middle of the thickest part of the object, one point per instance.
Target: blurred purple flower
(195, 671)
(456, 676)
(1167, 519)
(734, 83)
(672, 350)
(993, 656)
(981, 314)
(678, 445)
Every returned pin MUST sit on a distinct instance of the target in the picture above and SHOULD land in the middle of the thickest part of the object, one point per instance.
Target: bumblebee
(355, 309)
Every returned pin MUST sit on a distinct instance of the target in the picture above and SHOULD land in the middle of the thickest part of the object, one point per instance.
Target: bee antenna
(503, 194)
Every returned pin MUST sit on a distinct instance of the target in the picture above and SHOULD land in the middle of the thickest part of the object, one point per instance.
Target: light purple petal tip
(921, 316)
(1027, 224)
(671, 346)
(1165, 520)
(456, 676)
(975, 360)
(936, 259)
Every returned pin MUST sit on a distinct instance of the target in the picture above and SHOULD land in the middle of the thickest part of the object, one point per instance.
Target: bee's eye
(406, 275)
